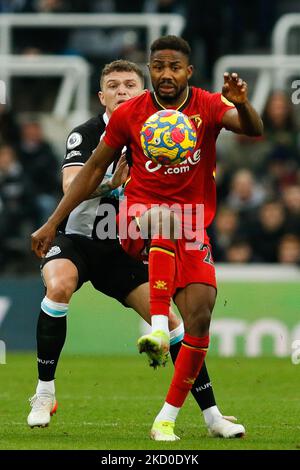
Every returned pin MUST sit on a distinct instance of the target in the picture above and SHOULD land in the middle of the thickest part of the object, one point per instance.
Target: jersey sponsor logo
(152, 167)
(74, 153)
(74, 140)
(176, 170)
(183, 167)
(55, 250)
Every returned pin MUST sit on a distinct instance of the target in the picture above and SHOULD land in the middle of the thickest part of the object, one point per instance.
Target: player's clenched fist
(42, 239)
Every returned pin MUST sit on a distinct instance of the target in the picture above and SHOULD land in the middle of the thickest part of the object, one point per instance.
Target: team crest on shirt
(55, 250)
(74, 140)
(196, 120)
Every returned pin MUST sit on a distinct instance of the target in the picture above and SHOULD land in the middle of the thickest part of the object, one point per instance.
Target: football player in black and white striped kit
(77, 255)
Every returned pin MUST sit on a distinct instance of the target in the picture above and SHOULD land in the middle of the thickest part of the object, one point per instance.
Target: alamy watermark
(296, 93)
(2, 352)
(295, 356)
(2, 92)
(143, 221)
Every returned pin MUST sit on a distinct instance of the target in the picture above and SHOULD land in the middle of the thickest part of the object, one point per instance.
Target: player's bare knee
(198, 322)
(161, 221)
(60, 290)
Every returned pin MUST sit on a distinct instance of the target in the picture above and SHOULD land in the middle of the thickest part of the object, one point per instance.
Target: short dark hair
(174, 43)
(121, 66)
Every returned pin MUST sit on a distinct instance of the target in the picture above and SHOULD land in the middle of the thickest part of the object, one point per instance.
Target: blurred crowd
(258, 180)
(29, 187)
(213, 28)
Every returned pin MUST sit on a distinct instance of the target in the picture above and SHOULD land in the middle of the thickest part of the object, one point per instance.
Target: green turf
(110, 403)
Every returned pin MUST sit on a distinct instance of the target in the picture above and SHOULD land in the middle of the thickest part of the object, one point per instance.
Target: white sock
(177, 334)
(160, 322)
(210, 414)
(167, 413)
(45, 388)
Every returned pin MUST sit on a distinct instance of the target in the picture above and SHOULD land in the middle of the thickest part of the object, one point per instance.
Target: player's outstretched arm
(243, 119)
(81, 187)
(119, 177)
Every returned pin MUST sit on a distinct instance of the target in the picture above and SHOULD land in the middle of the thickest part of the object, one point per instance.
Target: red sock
(187, 367)
(161, 275)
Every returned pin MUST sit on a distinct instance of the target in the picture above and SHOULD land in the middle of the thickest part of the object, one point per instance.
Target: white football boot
(224, 426)
(43, 407)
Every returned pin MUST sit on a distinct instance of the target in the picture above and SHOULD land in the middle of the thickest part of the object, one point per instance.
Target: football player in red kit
(175, 269)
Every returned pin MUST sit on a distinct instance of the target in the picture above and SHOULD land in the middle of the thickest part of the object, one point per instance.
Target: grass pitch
(110, 403)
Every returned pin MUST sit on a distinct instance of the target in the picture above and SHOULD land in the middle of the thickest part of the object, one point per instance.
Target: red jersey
(191, 182)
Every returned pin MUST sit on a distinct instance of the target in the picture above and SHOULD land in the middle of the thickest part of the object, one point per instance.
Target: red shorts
(192, 265)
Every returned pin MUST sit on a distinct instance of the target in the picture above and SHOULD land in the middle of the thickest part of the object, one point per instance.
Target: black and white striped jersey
(81, 143)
